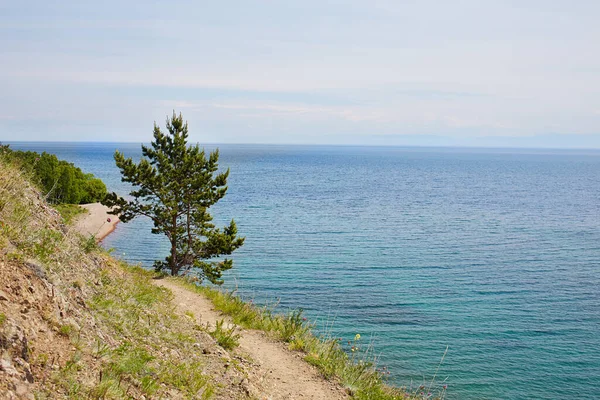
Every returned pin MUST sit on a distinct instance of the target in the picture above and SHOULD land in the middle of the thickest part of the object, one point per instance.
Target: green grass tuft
(69, 212)
(65, 330)
(89, 244)
(227, 338)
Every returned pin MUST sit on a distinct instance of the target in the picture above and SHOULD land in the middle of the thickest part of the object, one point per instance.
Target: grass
(89, 244)
(136, 309)
(288, 328)
(148, 359)
(69, 212)
(227, 338)
(29, 227)
(354, 366)
(65, 330)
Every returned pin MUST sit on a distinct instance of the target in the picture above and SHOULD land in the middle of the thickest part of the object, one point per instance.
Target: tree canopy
(175, 184)
(60, 181)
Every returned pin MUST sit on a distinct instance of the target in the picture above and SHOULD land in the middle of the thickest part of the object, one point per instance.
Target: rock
(3, 296)
(21, 389)
(7, 367)
(250, 390)
(220, 351)
(37, 268)
(29, 376)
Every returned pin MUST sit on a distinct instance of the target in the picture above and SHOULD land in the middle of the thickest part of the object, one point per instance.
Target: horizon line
(415, 146)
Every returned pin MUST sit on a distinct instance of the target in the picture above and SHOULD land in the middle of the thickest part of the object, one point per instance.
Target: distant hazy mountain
(540, 141)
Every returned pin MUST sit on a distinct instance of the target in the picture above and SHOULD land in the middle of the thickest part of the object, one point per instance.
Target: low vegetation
(353, 364)
(69, 212)
(226, 337)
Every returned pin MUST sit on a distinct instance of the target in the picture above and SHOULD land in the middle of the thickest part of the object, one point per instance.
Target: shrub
(61, 181)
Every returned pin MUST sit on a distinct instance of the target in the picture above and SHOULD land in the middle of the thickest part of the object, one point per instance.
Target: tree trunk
(173, 262)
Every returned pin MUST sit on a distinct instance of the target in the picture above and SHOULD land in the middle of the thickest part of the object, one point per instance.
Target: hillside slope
(75, 323)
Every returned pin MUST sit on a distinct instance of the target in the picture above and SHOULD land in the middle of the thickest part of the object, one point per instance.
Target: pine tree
(175, 185)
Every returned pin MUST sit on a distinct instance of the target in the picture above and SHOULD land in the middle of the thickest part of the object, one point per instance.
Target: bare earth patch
(96, 221)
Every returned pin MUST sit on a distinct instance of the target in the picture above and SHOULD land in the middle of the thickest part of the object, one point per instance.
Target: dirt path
(277, 372)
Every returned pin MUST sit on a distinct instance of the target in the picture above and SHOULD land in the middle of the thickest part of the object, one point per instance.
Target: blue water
(493, 253)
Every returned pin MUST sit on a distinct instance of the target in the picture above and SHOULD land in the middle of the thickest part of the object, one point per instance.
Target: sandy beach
(96, 221)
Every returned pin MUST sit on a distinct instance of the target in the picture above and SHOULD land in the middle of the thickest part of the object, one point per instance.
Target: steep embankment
(75, 323)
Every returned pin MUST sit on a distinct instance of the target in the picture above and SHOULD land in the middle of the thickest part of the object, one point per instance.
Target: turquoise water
(493, 253)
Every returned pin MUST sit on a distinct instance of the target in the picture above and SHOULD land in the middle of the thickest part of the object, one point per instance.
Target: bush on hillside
(61, 181)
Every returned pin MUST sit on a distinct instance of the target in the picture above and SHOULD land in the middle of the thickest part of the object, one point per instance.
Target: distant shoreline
(97, 222)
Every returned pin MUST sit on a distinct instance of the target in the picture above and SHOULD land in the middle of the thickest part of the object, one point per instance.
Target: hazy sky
(477, 72)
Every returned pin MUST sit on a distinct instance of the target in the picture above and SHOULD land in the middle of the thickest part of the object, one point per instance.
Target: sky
(441, 73)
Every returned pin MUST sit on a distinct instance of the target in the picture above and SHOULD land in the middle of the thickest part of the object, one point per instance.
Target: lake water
(493, 253)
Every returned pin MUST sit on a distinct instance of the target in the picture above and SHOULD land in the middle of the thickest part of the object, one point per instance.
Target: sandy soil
(96, 221)
(276, 373)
